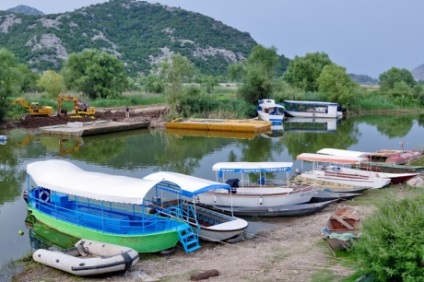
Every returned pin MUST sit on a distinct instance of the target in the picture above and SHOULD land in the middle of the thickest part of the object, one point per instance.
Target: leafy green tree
(154, 84)
(175, 72)
(391, 243)
(52, 83)
(209, 82)
(10, 79)
(303, 72)
(402, 93)
(393, 75)
(336, 84)
(95, 73)
(30, 78)
(258, 73)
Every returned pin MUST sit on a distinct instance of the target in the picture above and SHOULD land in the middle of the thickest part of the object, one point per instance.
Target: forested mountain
(138, 33)
(22, 9)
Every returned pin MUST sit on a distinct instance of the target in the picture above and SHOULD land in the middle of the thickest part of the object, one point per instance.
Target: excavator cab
(80, 107)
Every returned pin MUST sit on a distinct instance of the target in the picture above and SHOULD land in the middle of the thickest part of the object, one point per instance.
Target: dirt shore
(154, 114)
(293, 249)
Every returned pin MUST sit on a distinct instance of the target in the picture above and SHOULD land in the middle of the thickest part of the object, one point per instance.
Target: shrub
(391, 247)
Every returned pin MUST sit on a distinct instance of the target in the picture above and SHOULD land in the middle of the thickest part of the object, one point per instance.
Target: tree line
(99, 75)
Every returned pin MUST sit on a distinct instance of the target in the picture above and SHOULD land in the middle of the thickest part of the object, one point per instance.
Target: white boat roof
(65, 177)
(271, 104)
(320, 103)
(328, 159)
(190, 185)
(342, 153)
(251, 167)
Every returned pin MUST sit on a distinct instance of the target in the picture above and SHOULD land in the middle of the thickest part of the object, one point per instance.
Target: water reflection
(140, 152)
(44, 237)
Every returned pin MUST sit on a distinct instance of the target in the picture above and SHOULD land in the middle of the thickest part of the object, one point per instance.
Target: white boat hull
(99, 258)
(313, 114)
(372, 182)
(274, 119)
(216, 226)
(252, 197)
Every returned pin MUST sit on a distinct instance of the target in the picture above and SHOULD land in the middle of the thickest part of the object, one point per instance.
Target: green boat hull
(142, 243)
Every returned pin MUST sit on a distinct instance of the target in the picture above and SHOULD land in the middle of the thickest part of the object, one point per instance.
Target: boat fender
(44, 196)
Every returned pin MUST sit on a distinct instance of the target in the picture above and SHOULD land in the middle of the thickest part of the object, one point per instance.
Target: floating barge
(244, 125)
(92, 127)
(210, 133)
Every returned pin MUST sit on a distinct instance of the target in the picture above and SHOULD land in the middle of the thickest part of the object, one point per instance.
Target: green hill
(138, 33)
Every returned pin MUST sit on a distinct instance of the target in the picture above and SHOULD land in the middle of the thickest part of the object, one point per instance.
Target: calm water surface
(138, 153)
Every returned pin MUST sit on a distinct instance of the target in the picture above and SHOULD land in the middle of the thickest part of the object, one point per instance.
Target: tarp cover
(252, 167)
(189, 185)
(65, 177)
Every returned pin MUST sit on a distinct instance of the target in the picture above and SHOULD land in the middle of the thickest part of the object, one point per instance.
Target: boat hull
(216, 226)
(373, 183)
(142, 243)
(256, 197)
(277, 211)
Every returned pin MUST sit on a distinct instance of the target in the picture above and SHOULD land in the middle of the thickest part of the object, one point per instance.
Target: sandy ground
(287, 249)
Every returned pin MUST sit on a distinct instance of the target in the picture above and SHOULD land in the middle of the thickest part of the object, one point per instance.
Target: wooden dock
(244, 125)
(93, 127)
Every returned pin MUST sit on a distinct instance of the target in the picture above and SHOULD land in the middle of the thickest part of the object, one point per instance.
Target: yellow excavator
(80, 107)
(34, 108)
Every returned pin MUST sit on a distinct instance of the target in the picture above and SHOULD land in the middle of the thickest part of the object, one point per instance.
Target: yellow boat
(243, 125)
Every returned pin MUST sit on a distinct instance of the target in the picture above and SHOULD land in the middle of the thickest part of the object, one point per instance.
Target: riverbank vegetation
(101, 79)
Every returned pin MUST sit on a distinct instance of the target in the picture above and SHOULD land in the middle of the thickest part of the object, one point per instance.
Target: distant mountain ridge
(140, 34)
(418, 73)
(26, 10)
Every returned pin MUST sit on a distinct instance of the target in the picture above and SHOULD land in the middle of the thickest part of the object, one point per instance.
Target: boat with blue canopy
(107, 208)
(210, 225)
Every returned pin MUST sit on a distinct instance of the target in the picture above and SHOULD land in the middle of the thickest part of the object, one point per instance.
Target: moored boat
(89, 258)
(312, 109)
(277, 211)
(113, 210)
(263, 193)
(342, 227)
(269, 110)
(341, 174)
(210, 225)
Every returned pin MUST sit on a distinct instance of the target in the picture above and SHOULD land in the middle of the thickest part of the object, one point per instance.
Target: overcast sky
(365, 36)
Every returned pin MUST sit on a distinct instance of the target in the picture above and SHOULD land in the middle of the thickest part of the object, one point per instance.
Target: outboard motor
(234, 183)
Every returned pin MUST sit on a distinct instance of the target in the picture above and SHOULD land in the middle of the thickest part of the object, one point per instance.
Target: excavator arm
(34, 108)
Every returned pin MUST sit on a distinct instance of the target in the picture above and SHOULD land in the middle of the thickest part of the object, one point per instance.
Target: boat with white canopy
(331, 169)
(312, 109)
(210, 225)
(264, 191)
(108, 208)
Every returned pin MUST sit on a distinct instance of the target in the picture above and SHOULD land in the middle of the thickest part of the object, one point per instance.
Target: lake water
(138, 153)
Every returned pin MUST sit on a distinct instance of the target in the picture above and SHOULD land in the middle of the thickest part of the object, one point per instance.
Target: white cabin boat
(262, 193)
(268, 110)
(89, 258)
(210, 225)
(312, 109)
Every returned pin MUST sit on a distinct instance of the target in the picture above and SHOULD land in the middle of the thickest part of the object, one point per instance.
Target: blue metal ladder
(188, 238)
